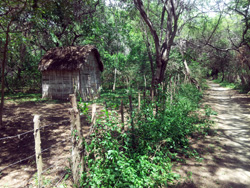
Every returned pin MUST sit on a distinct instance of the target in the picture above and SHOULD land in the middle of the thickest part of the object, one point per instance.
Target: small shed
(66, 70)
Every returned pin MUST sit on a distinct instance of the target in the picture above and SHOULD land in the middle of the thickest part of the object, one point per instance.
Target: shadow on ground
(226, 156)
(18, 118)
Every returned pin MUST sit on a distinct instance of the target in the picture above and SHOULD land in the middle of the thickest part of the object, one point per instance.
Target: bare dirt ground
(226, 154)
(18, 118)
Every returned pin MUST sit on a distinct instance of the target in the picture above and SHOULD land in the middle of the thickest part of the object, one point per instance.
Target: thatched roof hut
(66, 69)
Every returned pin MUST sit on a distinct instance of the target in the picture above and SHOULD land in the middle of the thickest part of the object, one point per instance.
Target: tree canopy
(142, 42)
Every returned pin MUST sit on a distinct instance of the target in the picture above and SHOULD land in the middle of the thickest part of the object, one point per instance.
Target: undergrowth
(240, 87)
(142, 154)
(29, 97)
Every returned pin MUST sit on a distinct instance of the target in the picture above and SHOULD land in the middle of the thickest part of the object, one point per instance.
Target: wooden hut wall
(58, 84)
(90, 78)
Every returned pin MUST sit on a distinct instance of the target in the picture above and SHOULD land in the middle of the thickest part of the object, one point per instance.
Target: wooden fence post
(139, 101)
(37, 136)
(171, 91)
(122, 113)
(77, 138)
(132, 121)
(152, 94)
(93, 116)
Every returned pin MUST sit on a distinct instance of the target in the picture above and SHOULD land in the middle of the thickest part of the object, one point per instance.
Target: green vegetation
(29, 97)
(165, 48)
(22, 97)
(226, 84)
(242, 88)
(142, 155)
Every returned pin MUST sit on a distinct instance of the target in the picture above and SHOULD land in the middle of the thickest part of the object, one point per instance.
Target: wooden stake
(139, 101)
(39, 162)
(175, 85)
(77, 138)
(93, 116)
(132, 122)
(122, 113)
(145, 102)
(152, 93)
(171, 91)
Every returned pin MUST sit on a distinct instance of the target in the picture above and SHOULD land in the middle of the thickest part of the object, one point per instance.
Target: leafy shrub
(142, 157)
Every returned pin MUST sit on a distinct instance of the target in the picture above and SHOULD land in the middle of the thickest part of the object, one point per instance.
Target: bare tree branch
(214, 30)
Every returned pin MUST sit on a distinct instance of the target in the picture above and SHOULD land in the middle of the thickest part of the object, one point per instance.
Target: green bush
(142, 157)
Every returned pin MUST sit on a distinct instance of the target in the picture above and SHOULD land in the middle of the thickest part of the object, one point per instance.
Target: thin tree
(7, 16)
(164, 39)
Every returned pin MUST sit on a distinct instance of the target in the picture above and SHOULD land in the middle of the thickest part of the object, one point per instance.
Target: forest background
(141, 42)
(144, 45)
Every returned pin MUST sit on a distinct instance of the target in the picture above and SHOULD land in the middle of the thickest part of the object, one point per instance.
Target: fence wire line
(66, 159)
(65, 140)
(17, 162)
(48, 168)
(19, 135)
(67, 172)
(60, 179)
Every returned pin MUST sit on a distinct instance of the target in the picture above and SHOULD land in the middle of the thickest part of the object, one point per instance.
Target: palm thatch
(68, 58)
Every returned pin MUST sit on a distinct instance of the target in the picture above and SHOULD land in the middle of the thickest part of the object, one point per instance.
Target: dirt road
(227, 153)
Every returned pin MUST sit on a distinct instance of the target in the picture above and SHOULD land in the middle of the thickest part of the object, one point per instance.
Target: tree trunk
(162, 49)
(3, 70)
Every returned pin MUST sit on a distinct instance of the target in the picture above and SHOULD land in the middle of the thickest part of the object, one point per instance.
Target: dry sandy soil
(18, 118)
(226, 154)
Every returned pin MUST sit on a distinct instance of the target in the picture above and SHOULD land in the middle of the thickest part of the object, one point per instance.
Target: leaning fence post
(37, 136)
(77, 138)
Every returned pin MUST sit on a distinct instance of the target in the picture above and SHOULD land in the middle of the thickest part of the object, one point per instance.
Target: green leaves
(114, 161)
(55, 39)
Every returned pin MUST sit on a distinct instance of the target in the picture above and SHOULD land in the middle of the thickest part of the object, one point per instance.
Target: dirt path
(226, 154)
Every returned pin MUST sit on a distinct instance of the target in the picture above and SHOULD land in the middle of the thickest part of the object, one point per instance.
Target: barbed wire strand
(66, 159)
(55, 145)
(60, 179)
(26, 183)
(19, 135)
(17, 162)
(48, 168)
(67, 172)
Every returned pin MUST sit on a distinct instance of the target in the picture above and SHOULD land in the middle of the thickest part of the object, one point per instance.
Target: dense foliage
(142, 154)
(217, 41)
(165, 48)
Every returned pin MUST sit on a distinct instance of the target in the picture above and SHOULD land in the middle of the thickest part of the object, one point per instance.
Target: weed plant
(142, 157)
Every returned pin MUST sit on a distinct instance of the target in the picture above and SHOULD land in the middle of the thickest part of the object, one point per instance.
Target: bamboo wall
(90, 78)
(58, 84)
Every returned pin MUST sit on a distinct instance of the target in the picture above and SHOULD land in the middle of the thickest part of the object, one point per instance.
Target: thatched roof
(68, 58)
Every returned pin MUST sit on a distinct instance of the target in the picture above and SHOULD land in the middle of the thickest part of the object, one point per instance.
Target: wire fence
(21, 136)
(24, 133)
(72, 140)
